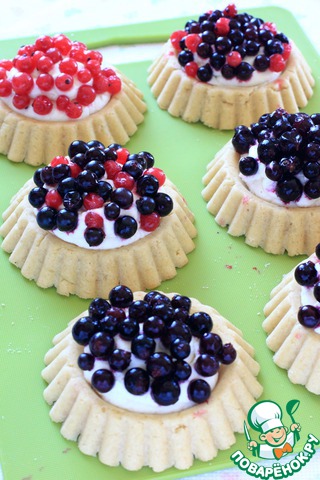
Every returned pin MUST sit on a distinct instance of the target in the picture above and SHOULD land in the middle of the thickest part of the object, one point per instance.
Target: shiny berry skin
(47, 218)
(139, 310)
(182, 370)
(261, 63)
(206, 365)
(112, 211)
(222, 26)
(217, 61)
(143, 346)
(96, 167)
(37, 196)
(191, 69)
(153, 326)
(145, 205)
(248, 166)
(185, 57)
(62, 102)
(133, 168)
(98, 308)
(112, 168)
(234, 59)
(53, 199)
(5, 88)
(289, 190)
(93, 220)
(177, 329)
(165, 391)
(180, 349)
(123, 179)
(74, 110)
(94, 236)
(122, 197)
(181, 301)
(176, 37)
(128, 329)
(192, 41)
(119, 360)
(242, 139)
(223, 45)
(210, 343)
(77, 146)
(60, 171)
(86, 95)
(274, 171)
(228, 354)
(121, 296)
(159, 365)
(66, 220)
(309, 316)
(101, 344)
(199, 391)
(22, 83)
(45, 82)
(83, 330)
(87, 181)
(125, 226)
(137, 381)
(24, 64)
(103, 380)
(64, 82)
(44, 64)
(146, 157)
(244, 71)
(72, 200)
(42, 105)
(158, 173)
(306, 274)
(312, 188)
(316, 291)
(86, 361)
(268, 150)
(200, 323)
(150, 222)
(204, 73)
(104, 190)
(92, 201)
(277, 63)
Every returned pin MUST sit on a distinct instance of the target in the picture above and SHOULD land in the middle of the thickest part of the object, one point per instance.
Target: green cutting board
(223, 271)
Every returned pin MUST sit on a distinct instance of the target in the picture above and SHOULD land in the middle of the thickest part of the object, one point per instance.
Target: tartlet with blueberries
(150, 379)
(293, 323)
(228, 68)
(56, 90)
(265, 183)
(97, 217)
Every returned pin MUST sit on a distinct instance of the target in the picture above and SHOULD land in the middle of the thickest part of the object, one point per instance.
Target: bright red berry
(68, 65)
(22, 83)
(37, 55)
(269, 26)
(112, 168)
(92, 200)
(114, 84)
(58, 160)
(54, 54)
(44, 64)
(123, 179)
(62, 102)
(277, 63)
(21, 101)
(84, 75)
(150, 222)
(287, 50)
(192, 41)
(108, 72)
(176, 37)
(73, 110)
(25, 64)
(222, 26)
(93, 55)
(158, 173)
(3, 73)
(53, 199)
(100, 83)
(42, 105)
(234, 59)
(7, 64)
(74, 169)
(191, 69)
(77, 53)
(62, 43)
(93, 220)
(230, 10)
(45, 81)
(43, 43)
(64, 82)
(26, 50)
(5, 88)
(122, 155)
(93, 66)
(86, 95)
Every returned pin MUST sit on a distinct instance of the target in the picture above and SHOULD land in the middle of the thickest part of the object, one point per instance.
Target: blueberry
(96, 167)
(273, 171)
(206, 365)
(121, 296)
(282, 125)
(104, 190)
(98, 308)
(101, 344)
(60, 171)
(306, 274)
(265, 35)
(119, 360)
(159, 364)
(208, 37)
(112, 211)
(180, 348)
(182, 370)
(204, 50)
(261, 63)
(312, 151)
(181, 301)
(122, 197)
(129, 328)
(251, 33)
(207, 26)
(37, 196)
(146, 205)
(94, 236)
(244, 71)
(87, 181)
(136, 381)
(47, 218)
(236, 36)
(37, 178)
(143, 346)
(242, 139)
(67, 220)
(46, 175)
(81, 160)
(110, 325)
(67, 185)
(177, 329)
(290, 165)
(204, 73)
(181, 314)
(290, 141)
(227, 71)
(200, 323)
(77, 146)
(139, 310)
(199, 391)
(273, 46)
(248, 166)
(125, 226)
(316, 291)
(315, 117)
(217, 60)
(289, 190)
(228, 354)
(223, 45)
(164, 311)
(86, 361)
(309, 316)
(165, 391)
(117, 312)
(241, 49)
(184, 57)
(252, 47)
(268, 150)
(103, 380)
(133, 168)
(96, 154)
(302, 122)
(312, 188)
(210, 343)
(154, 326)
(110, 154)
(164, 204)
(282, 37)
(83, 330)
(147, 157)
(147, 185)
(72, 200)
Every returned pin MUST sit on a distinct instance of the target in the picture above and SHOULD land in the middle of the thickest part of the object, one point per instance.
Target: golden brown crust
(226, 107)
(134, 440)
(274, 228)
(37, 142)
(87, 273)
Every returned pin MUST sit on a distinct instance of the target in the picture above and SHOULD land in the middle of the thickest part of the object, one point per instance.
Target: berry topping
(151, 353)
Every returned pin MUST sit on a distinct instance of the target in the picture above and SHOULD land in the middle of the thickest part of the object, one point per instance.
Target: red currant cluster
(34, 67)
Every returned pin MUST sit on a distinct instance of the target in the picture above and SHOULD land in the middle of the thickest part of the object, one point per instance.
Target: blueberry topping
(289, 190)
(165, 391)
(72, 200)
(119, 360)
(206, 365)
(137, 381)
(103, 380)
(86, 361)
(47, 218)
(200, 323)
(147, 185)
(125, 227)
(83, 330)
(101, 344)
(199, 391)
(67, 220)
(182, 370)
(146, 205)
(112, 211)
(248, 165)
(98, 308)
(242, 139)
(309, 316)
(94, 236)
(77, 146)
(37, 196)
(143, 346)
(122, 197)
(306, 274)
(228, 354)
(139, 310)
(159, 365)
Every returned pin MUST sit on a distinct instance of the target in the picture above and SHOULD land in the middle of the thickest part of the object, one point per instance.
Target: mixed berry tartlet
(265, 183)
(150, 380)
(293, 323)
(98, 217)
(228, 68)
(56, 90)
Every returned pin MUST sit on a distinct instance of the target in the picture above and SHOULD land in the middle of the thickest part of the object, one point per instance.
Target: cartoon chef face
(266, 417)
(275, 437)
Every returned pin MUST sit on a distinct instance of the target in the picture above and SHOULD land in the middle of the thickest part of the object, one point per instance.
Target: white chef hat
(265, 416)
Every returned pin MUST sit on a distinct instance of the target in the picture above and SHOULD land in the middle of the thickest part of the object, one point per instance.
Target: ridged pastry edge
(297, 349)
(134, 440)
(274, 228)
(50, 261)
(37, 142)
(226, 107)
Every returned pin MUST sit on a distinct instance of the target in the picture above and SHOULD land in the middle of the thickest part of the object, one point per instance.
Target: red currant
(73, 110)
(158, 173)
(26, 50)
(43, 43)
(45, 81)
(269, 26)
(107, 72)
(287, 50)
(54, 54)
(230, 10)
(5, 88)
(222, 26)
(37, 55)
(122, 155)
(53, 199)
(64, 82)
(3, 73)
(21, 101)
(192, 41)
(93, 55)
(176, 37)
(7, 64)
(62, 102)
(68, 65)
(22, 83)
(100, 83)
(25, 64)
(93, 66)
(58, 160)
(150, 222)
(234, 59)
(77, 53)
(42, 105)
(84, 75)
(44, 64)
(114, 84)
(75, 169)
(191, 69)
(93, 220)
(92, 200)
(62, 43)
(86, 95)
(277, 63)
(123, 179)
(112, 168)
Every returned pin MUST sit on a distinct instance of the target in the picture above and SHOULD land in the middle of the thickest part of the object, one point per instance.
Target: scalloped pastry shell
(36, 142)
(274, 228)
(50, 261)
(297, 349)
(159, 441)
(225, 107)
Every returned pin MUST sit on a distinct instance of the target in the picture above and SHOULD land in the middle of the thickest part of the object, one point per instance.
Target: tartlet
(98, 217)
(158, 439)
(56, 90)
(226, 69)
(264, 183)
(293, 323)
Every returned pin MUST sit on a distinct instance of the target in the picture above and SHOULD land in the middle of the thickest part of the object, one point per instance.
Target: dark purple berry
(146, 205)
(147, 157)
(165, 391)
(143, 346)
(306, 274)
(159, 365)
(122, 197)
(273, 171)
(309, 316)
(77, 146)
(206, 365)
(110, 325)
(96, 167)
(94, 236)
(153, 327)
(112, 211)
(121, 296)
(316, 291)
(228, 354)
(289, 190)
(87, 181)
(60, 172)
(180, 348)
(86, 361)
(244, 71)
(46, 175)
(139, 310)
(128, 329)
(210, 343)
(200, 323)
(217, 60)
(98, 308)
(119, 360)
(67, 185)
(37, 178)
(199, 391)
(204, 73)
(101, 344)
(66, 220)
(136, 381)
(182, 370)
(147, 185)
(47, 218)
(125, 227)
(242, 139)
(204, 50)
(72, 200)
(227, 71)
(268, 150)
(223, 45)
(312, 188)
(181, 301)
(37, 196)
(248, 166)
(83, 330)
(261, 63)
(102, 380)
(184, 57)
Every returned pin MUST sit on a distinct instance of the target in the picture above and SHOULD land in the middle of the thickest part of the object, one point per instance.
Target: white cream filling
(56, 115)
(307, 297)
(261, 186)
(120, 397)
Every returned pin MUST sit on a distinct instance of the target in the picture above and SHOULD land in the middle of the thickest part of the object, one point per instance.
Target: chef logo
(275, 441)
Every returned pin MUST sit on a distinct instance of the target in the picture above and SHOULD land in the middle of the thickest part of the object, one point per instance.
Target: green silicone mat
(223, 271)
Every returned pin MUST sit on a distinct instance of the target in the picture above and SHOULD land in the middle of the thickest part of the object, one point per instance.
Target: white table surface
(35, 17)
